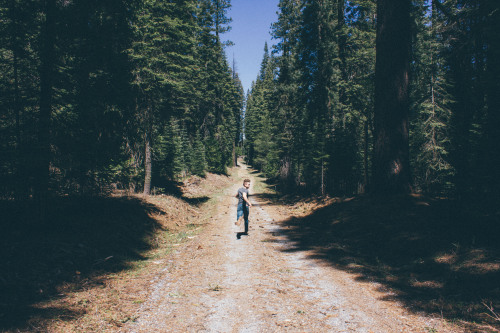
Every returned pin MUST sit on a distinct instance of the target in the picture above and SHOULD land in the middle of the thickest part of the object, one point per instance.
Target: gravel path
(219, 283)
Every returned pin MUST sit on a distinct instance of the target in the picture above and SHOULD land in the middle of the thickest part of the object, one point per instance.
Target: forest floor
(307, 265)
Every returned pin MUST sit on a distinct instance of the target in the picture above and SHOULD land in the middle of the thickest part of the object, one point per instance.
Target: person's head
(246, 183)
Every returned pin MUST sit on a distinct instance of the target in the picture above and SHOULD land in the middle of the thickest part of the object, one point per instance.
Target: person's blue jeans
(243, 210)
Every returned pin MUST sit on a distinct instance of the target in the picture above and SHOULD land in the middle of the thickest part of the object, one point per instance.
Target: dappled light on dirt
(431, 254)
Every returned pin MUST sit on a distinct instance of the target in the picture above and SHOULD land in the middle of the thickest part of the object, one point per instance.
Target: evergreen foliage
(322, 97)
(430, 106)
(133, 94)
(311, 126)
(126, 94)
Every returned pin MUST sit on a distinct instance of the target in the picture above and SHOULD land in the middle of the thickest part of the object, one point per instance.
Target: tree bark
(342, 41)
(235, 158)
(286, 173)
(365, 156)
(147, 165)
(391, 169)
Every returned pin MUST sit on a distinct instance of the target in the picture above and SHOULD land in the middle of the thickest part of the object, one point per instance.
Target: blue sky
(251, 28)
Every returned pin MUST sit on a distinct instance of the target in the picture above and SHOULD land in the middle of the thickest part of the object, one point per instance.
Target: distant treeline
(124, 94)
(320, 116)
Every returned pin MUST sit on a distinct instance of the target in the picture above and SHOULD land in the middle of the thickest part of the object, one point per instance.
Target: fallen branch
(493, 315)
(100, 261)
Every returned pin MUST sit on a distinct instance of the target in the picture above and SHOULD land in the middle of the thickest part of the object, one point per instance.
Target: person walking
(243, 204)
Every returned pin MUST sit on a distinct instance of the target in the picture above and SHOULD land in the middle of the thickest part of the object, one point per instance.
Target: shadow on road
(433, 255)
(82, 239)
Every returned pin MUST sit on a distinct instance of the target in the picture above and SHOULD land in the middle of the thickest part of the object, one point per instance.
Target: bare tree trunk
(285, 173)
(365, 157)
(147, 165)
(322, 177)
(342, 42)
(235, 158)
(391, 167)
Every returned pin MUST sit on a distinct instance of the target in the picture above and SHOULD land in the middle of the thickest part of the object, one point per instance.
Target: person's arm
(246, 199)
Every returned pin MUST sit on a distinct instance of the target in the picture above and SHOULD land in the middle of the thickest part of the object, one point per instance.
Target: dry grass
(198, 187)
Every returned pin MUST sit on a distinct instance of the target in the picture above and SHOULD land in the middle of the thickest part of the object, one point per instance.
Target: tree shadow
(274, 198)
(83, 238)
(174, 188)
(434, 255)
(195, 201)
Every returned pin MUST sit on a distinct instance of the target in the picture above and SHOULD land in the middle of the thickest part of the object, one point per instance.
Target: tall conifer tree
(391, 167)
(430, 105)
(163, 56)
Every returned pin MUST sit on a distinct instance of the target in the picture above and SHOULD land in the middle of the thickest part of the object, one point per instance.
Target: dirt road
(219, 283)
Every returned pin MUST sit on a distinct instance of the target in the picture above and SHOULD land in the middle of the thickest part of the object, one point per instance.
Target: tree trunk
(147, 165)
(235, 158)
(286, 173)
(391, 167)
(46, 74)
(342, 42)
(365, 155)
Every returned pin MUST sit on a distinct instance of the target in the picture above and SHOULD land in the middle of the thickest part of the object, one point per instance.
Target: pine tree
(430, 106)
(221, 19)
(355, 35)
(360, 63)
(287, 32)
(260, 124)
(176, 152)
(237, 105)
(215, 115)
(47, 67)
(93, 92)
(163, 56)
(19, 30)
(325, 68)
(198, 158)
(112, 77)
(490, 160)
(462, 30)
